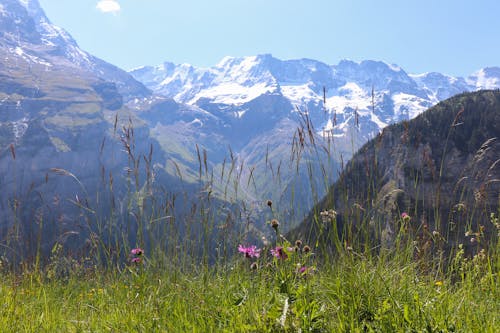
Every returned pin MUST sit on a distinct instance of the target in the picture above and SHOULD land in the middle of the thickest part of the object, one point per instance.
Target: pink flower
(405, 216)
(279, 252)
(136, 260)
(250, 251)
(305, 271)
(137, 251)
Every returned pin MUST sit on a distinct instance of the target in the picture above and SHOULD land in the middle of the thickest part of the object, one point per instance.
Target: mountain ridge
(378, 92)
(441, 168)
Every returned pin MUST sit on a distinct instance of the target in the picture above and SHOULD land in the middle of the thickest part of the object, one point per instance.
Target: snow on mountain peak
(232, 81)
(26, 3)
(486, 78)
(238, 81)
(25, 25)
(373, 93)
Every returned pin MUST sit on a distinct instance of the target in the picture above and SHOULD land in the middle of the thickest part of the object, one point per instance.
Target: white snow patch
(300, 94)
(376, 120)
(485, 82)
(408, 105)
(234, 93)
(329, 126)
(29, 58)
(182, 73)
(51, 32)
(242, 71)
(197, 121)
(240, 114)
(25, 3)
(19, 128)
(352, 96)
(394, 67)
(140, 68)
(19, 51)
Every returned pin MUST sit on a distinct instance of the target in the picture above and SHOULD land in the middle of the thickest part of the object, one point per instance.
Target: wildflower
(275, 224)
(269, 203)
(254, 266)
(306, 249)
(438, 283)
(436, 233)
(481, 255)
(298, 243)
(136, 260)
(405, 217)
(305, 271)
(279, 252)
(137, 251)
(472, 240)
(328, 215)
(250, 251)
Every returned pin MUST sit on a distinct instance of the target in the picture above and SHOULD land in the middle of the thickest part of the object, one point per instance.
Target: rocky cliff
(441, 168)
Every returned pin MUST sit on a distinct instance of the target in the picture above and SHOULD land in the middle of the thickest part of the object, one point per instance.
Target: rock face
(442, 168)
(63, 125)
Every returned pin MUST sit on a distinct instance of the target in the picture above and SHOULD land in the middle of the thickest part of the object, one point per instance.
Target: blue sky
(454, 37)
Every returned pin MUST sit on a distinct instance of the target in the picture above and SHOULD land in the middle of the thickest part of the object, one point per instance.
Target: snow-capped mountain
(25, 22)
(486, 78)
(369, 94)
(259, 104)
(27, 36)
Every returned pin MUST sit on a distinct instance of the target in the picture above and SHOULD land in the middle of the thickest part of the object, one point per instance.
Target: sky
(453, 37)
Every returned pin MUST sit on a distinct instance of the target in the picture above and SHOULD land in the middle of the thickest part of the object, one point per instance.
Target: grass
(350, 284)
(353, 293)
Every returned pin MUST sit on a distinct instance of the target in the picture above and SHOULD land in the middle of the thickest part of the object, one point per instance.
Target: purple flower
(405, 217)
(250, 251)
(279, 252)
(305, 271)
(136, 260)
(137, 251)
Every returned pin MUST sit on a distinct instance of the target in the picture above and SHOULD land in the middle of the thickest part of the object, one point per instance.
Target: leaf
(406, 314)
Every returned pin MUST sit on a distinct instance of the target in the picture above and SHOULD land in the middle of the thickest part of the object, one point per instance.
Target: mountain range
(259, 102)
(379, 93)
(244, 131)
